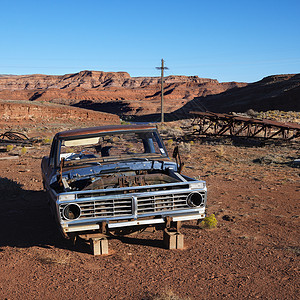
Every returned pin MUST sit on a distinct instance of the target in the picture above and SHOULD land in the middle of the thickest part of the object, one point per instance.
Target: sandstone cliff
(115, 92)
(91, 80)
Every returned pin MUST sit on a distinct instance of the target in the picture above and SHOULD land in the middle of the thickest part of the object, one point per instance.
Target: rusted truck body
(117, 179)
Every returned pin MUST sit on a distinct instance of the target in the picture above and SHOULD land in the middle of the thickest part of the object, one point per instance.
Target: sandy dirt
(253, 253)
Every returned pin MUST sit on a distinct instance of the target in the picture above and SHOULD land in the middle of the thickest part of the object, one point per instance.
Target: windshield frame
(148, 156)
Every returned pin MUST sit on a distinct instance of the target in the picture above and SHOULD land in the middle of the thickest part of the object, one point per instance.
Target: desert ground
(253, 190)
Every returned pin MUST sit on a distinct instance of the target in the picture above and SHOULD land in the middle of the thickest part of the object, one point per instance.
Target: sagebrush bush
(209, 222)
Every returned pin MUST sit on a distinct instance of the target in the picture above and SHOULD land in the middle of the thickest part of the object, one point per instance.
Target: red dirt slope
(25, 112)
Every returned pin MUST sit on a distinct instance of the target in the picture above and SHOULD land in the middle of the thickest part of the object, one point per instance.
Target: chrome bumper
(121, 224)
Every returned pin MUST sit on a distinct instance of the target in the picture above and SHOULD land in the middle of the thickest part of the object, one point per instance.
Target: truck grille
(161, 203)
(98, 208)
(108, 207)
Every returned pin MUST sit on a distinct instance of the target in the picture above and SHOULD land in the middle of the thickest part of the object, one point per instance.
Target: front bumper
(67, 228)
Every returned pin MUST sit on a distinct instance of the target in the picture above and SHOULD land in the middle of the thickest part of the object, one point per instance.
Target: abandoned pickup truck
(117, 179)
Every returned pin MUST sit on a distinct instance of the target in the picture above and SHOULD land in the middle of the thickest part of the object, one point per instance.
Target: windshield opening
(112, 145)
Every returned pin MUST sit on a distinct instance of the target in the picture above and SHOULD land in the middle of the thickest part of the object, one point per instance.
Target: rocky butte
(115, 92)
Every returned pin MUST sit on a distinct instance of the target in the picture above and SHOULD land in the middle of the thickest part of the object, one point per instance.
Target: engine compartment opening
(118, 180)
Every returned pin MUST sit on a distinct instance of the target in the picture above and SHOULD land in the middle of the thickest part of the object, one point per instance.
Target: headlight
(195, 199)
(71, 211)
(197, 185)
(66, 197)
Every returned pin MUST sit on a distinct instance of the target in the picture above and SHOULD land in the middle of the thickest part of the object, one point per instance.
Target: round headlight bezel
(76, 211)
(195, 199)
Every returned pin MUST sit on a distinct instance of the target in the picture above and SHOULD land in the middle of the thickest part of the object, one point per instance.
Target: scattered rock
(229, 218)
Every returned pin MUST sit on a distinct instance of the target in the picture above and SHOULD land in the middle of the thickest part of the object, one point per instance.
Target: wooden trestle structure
(217, 124)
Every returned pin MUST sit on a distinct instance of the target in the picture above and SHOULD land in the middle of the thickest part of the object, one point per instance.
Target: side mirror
(175, 152)
(177, 157)
(51, 162)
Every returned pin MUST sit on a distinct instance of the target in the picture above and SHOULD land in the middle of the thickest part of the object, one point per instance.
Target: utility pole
(162, 68)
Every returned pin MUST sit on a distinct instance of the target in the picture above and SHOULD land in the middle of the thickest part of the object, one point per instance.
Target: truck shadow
(26, 221)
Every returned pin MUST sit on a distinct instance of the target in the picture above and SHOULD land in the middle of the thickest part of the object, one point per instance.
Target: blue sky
(225, 40)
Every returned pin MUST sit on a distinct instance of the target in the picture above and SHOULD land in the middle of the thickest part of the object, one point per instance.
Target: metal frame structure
(13, 137)
(217, 124)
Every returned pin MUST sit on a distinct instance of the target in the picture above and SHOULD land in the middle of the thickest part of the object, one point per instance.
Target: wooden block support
(99, 245)
(173, 239)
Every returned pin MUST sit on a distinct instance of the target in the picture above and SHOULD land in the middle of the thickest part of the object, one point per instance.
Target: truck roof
(101, 129)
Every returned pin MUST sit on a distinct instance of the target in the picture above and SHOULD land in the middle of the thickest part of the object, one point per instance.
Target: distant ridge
(121, 94)
(276, 92)
(114, 92)
(90, 80)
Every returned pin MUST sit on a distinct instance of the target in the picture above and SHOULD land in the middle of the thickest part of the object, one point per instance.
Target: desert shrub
(252, 113)
(209, 222)
(115, 139)
(125, 123)
(169, 142)
(46, 141)
(9, 148)
(23, 150)
(220, 152)
(175, 132)
(185, 147)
